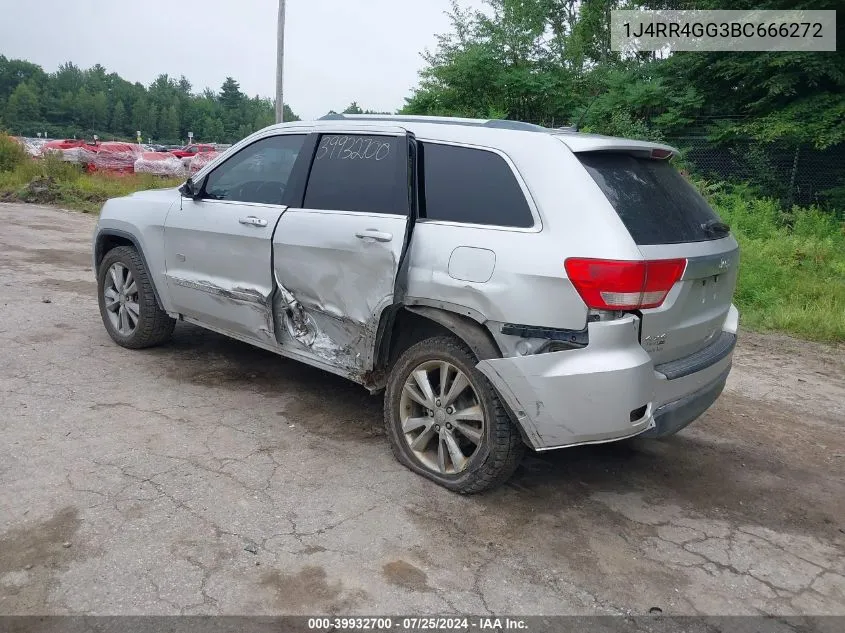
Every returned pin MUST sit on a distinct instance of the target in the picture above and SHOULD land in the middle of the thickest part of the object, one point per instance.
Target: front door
(218, 247)
(336, 257)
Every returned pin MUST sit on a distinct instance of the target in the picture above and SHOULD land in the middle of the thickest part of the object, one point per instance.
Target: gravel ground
(210, 477)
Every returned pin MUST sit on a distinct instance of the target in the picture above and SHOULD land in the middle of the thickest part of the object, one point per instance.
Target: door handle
(251, 220)
(374, 234)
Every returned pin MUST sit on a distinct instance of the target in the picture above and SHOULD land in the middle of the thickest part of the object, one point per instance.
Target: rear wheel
(445, 421)
(127, 301)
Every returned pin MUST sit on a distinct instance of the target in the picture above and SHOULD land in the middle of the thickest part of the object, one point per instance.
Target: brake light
(606, 284)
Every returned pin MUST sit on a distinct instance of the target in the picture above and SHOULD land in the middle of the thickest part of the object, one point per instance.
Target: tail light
(606, 284)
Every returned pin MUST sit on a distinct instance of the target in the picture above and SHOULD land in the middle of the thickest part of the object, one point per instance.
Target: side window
(363, 173)
(473, 186)
(257, 173)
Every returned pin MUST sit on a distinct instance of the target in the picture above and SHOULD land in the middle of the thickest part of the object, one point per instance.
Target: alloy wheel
(441, 415)
(120, 294)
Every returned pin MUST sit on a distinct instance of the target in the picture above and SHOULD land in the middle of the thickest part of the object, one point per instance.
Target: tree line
(73, 102)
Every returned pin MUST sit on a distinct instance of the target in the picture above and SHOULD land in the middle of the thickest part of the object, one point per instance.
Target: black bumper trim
(674, 416)
(702, 359)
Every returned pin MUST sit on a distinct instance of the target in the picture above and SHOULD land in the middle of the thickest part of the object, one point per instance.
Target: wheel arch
(109, 239)
(404, 325)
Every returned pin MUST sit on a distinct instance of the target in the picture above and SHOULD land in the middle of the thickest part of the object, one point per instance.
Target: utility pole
(280, 65)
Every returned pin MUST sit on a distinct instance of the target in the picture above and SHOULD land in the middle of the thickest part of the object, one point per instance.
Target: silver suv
(504, 284)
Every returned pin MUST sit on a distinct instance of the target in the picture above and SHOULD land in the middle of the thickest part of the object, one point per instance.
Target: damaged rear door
(337, 255)
(218, 246)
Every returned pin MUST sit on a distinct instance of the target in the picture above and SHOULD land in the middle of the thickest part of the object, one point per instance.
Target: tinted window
(359, 173)
(473, 186)
(257, 173)
(656, 203)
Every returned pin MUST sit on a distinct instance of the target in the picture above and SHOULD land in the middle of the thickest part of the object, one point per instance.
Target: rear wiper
(715, 227)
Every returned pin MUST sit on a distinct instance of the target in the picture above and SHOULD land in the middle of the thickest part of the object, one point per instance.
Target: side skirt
(338, 371)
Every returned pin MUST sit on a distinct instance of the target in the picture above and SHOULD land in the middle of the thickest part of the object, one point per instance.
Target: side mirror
(190, 189)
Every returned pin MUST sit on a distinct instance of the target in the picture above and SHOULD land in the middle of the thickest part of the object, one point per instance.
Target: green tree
(82, 107)
(140, 116)
(353, 108)
(289, 114)
(230, 94)
(23, 108)
(151, 124)
(99, 111)
(73, 102)
(243, 131)
(212, 130)
(118, 119)
(184, 86)
(14, 72)
(168, 127)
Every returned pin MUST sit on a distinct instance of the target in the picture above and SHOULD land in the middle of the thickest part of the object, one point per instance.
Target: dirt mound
(40, 191)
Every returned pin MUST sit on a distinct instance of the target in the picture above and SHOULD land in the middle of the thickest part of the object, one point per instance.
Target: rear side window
(359, 173)
(472, 186)
(654, 201)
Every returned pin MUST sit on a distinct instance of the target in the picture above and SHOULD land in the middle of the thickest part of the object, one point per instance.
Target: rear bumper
(606, 391)
(671, 417)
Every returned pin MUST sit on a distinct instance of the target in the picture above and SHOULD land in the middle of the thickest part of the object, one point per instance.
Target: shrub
(12, 153)
(54, 168)
(792, 265)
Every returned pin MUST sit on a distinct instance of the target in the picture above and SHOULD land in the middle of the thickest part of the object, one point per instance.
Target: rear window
(654, 201)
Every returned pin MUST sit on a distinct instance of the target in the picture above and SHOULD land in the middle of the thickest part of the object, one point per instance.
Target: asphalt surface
(210, 477)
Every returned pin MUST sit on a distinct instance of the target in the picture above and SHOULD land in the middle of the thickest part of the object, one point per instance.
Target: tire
(152, 324)
(500, 449)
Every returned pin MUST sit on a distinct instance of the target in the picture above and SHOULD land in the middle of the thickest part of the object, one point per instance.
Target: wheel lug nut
(437, 427)
(430, 413)
(450, 410)
(449, 427)
(437, 402)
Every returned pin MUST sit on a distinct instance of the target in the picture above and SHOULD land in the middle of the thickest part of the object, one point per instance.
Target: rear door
(336, 256)
(668, 219)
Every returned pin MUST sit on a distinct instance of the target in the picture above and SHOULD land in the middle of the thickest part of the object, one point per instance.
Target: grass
(792, 270)
(52, 181)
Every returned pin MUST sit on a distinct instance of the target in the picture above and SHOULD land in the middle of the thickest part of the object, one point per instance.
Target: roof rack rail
(505, 124)
(501, 124)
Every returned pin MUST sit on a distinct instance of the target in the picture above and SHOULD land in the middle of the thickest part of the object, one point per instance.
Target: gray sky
(336, 50)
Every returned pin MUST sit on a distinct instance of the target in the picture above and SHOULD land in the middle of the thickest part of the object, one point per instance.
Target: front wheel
(127, 301)
(445, 421)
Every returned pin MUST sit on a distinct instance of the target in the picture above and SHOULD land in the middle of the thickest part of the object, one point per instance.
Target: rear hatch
(669, 220)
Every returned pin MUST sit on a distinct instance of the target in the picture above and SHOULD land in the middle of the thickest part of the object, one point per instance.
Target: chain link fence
(793, 174)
